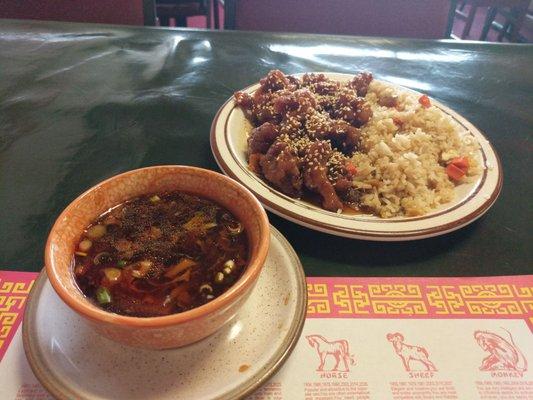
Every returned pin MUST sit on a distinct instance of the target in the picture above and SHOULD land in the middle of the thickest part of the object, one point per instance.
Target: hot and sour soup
(160, 254)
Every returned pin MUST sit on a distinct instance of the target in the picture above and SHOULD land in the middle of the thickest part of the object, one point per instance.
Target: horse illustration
(338, 349)
(503, 355)
(409, 353)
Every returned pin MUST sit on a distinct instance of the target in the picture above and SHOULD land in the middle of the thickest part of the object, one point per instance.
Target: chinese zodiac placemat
(368, 338)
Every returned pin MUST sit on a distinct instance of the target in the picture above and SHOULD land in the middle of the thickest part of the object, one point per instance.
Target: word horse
(338, 349)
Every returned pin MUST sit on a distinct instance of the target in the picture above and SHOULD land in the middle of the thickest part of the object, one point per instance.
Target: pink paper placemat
(434, 298)
(368, 338)
(14, 289)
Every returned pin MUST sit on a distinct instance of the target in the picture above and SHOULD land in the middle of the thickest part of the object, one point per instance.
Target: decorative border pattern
(500, 297)
(507, 297)
(14, 289)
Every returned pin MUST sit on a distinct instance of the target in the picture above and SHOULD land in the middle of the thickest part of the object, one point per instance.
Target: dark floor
(475, 32)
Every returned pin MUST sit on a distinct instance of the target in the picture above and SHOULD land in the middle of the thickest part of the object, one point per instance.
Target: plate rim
(355, 233)
(63, 392)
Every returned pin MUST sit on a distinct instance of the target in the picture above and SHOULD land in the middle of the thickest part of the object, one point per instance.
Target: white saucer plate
(229, 133)
(74, 362)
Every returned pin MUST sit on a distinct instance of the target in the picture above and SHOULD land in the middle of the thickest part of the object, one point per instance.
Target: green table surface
(80, 103)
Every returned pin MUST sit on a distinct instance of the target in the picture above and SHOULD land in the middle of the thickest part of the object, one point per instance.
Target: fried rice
(401, 167)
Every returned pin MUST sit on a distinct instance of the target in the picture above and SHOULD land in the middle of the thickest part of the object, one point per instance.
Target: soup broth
(160, 254)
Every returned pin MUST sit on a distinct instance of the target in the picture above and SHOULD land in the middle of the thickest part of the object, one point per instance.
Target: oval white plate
(229, 145)
(73, 362)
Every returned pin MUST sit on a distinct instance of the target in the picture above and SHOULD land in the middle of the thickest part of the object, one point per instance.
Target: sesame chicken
(274, 81)
(317, 155)
(262, 137)
(281, 167)
(360, 83)
(305, 132)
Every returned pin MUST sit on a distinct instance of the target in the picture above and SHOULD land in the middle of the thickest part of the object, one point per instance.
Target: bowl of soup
(158, 257)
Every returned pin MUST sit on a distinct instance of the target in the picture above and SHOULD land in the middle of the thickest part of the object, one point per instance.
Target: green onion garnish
(103, 296)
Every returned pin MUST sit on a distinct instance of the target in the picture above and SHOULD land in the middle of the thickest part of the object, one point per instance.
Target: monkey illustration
(503, 355)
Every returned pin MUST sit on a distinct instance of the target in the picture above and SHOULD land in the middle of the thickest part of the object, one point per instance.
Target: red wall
(129, 12)
(400, 18)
